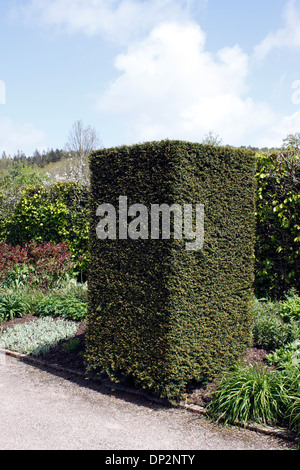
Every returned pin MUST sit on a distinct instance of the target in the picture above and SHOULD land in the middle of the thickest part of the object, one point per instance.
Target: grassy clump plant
(256, 394)
(246, 394)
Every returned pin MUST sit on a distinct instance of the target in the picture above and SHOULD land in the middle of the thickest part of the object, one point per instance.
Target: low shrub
(285, 356)
(37, 337)
(55, 306)
(270, 332)
(74, 289)
(290, 308)
(271, 328)
(43, 265)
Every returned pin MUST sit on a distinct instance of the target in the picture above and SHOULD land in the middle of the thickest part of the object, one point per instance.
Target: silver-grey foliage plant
(37, 337)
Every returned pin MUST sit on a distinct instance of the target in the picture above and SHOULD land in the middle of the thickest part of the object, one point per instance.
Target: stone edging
(268, 430)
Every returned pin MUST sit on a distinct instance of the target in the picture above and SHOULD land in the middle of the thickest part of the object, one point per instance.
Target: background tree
(81, 142)
(212, 139)
(292, 143)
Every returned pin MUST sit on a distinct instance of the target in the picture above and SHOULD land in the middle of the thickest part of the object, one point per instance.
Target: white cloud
(288, 36)
(284, 126)
(25, 137)
(170, 86)
(117, 20)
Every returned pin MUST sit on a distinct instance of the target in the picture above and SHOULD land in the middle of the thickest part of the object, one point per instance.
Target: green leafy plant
(37, 337)
(31, 296)
(74, 289)
(55, 306)
(12, 306)
(71, 345)
(270, 332)
(290, 307)
(285, 356)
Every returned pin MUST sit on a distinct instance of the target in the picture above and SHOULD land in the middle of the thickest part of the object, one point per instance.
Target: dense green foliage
(278, 209)
(290, 307)
(14, 178)
(56, 213)
(159, 313)
(278, 224)
(288, 354)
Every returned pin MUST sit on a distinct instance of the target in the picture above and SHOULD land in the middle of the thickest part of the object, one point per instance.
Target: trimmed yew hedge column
(159, 313)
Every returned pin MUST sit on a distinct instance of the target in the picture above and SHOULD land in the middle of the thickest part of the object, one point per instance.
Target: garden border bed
(191, 403)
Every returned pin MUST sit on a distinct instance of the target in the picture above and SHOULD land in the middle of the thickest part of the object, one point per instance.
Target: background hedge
(55, 212)
(277, 250)
(159, 314)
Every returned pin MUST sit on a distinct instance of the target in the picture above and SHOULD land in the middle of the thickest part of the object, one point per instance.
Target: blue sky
(139, 70)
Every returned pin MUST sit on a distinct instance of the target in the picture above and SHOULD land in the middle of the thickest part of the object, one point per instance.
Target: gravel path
(42, 411)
